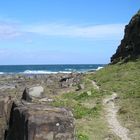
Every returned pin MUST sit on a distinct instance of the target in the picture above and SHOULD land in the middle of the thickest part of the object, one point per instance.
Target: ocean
(48, 69)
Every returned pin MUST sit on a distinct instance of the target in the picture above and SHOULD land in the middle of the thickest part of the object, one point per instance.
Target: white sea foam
(1, 72)
(38, 72)
(43, 72)
(99, 68)
(64, 72)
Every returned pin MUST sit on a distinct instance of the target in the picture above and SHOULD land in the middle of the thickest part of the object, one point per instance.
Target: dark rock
(26, 96)
(5, 109)
(129, 48)
(71, 80)
(5, 106)
(39, 122)
(1, 107)
(65, 79)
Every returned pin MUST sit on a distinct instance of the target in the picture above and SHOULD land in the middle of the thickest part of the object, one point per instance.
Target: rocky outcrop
(26, 120)
(129, 48)
(29, 115)
(5, 108)
(69, 81)
(30, 121)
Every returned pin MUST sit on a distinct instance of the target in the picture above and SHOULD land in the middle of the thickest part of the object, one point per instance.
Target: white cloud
(101, 32)
(8, 31)
(106, 31)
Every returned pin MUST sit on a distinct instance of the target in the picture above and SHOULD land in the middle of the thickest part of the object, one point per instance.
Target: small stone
(57, 124)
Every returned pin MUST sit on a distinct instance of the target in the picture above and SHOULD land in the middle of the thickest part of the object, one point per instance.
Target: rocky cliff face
(129, 48)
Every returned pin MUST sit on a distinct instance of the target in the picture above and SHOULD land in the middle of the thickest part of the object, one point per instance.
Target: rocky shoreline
(24, 106)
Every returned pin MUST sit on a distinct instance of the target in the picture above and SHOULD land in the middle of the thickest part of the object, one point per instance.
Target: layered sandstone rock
(30, 121)
(30, 118)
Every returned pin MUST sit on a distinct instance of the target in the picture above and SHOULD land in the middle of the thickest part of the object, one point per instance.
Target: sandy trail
(111, 115)
(95, 85)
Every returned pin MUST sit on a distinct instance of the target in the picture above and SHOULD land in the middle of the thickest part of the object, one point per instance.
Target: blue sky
(62, 31)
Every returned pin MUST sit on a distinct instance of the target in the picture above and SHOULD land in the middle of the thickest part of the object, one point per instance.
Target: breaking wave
(43, 72)
(99, 68)
(1, 72)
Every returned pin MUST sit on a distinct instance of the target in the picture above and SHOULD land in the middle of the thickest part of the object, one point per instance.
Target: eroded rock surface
(5, 108)
(27, 115)
(38, 122)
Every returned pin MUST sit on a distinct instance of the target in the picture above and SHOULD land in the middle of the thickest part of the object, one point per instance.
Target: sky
(62, 31)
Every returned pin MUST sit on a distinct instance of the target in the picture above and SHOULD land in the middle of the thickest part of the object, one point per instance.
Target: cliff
(129, 49)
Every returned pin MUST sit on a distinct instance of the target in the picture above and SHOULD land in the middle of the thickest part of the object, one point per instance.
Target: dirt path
(111, 115)
(95, 85)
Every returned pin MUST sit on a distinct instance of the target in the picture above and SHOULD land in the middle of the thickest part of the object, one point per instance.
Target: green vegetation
(75, 103)
(125, 80)
(86, 104)
(82, 137)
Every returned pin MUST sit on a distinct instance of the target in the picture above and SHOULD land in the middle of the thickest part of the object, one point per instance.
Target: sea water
(48, 69)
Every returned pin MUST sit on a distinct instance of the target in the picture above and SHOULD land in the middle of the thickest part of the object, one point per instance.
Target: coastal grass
(87, 109)
(76, 104)
(86, 103)
(124, 79)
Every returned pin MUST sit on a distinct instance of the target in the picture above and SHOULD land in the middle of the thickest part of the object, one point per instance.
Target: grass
(125, 80)
(74, 102)
(82, 136)
(86, 106)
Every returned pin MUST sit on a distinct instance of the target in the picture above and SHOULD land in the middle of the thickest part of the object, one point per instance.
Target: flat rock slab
(38, 122)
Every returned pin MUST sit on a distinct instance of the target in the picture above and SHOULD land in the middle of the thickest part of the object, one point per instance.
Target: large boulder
(32, 92)
(36, 91)
(30, 121)
(129, 48)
